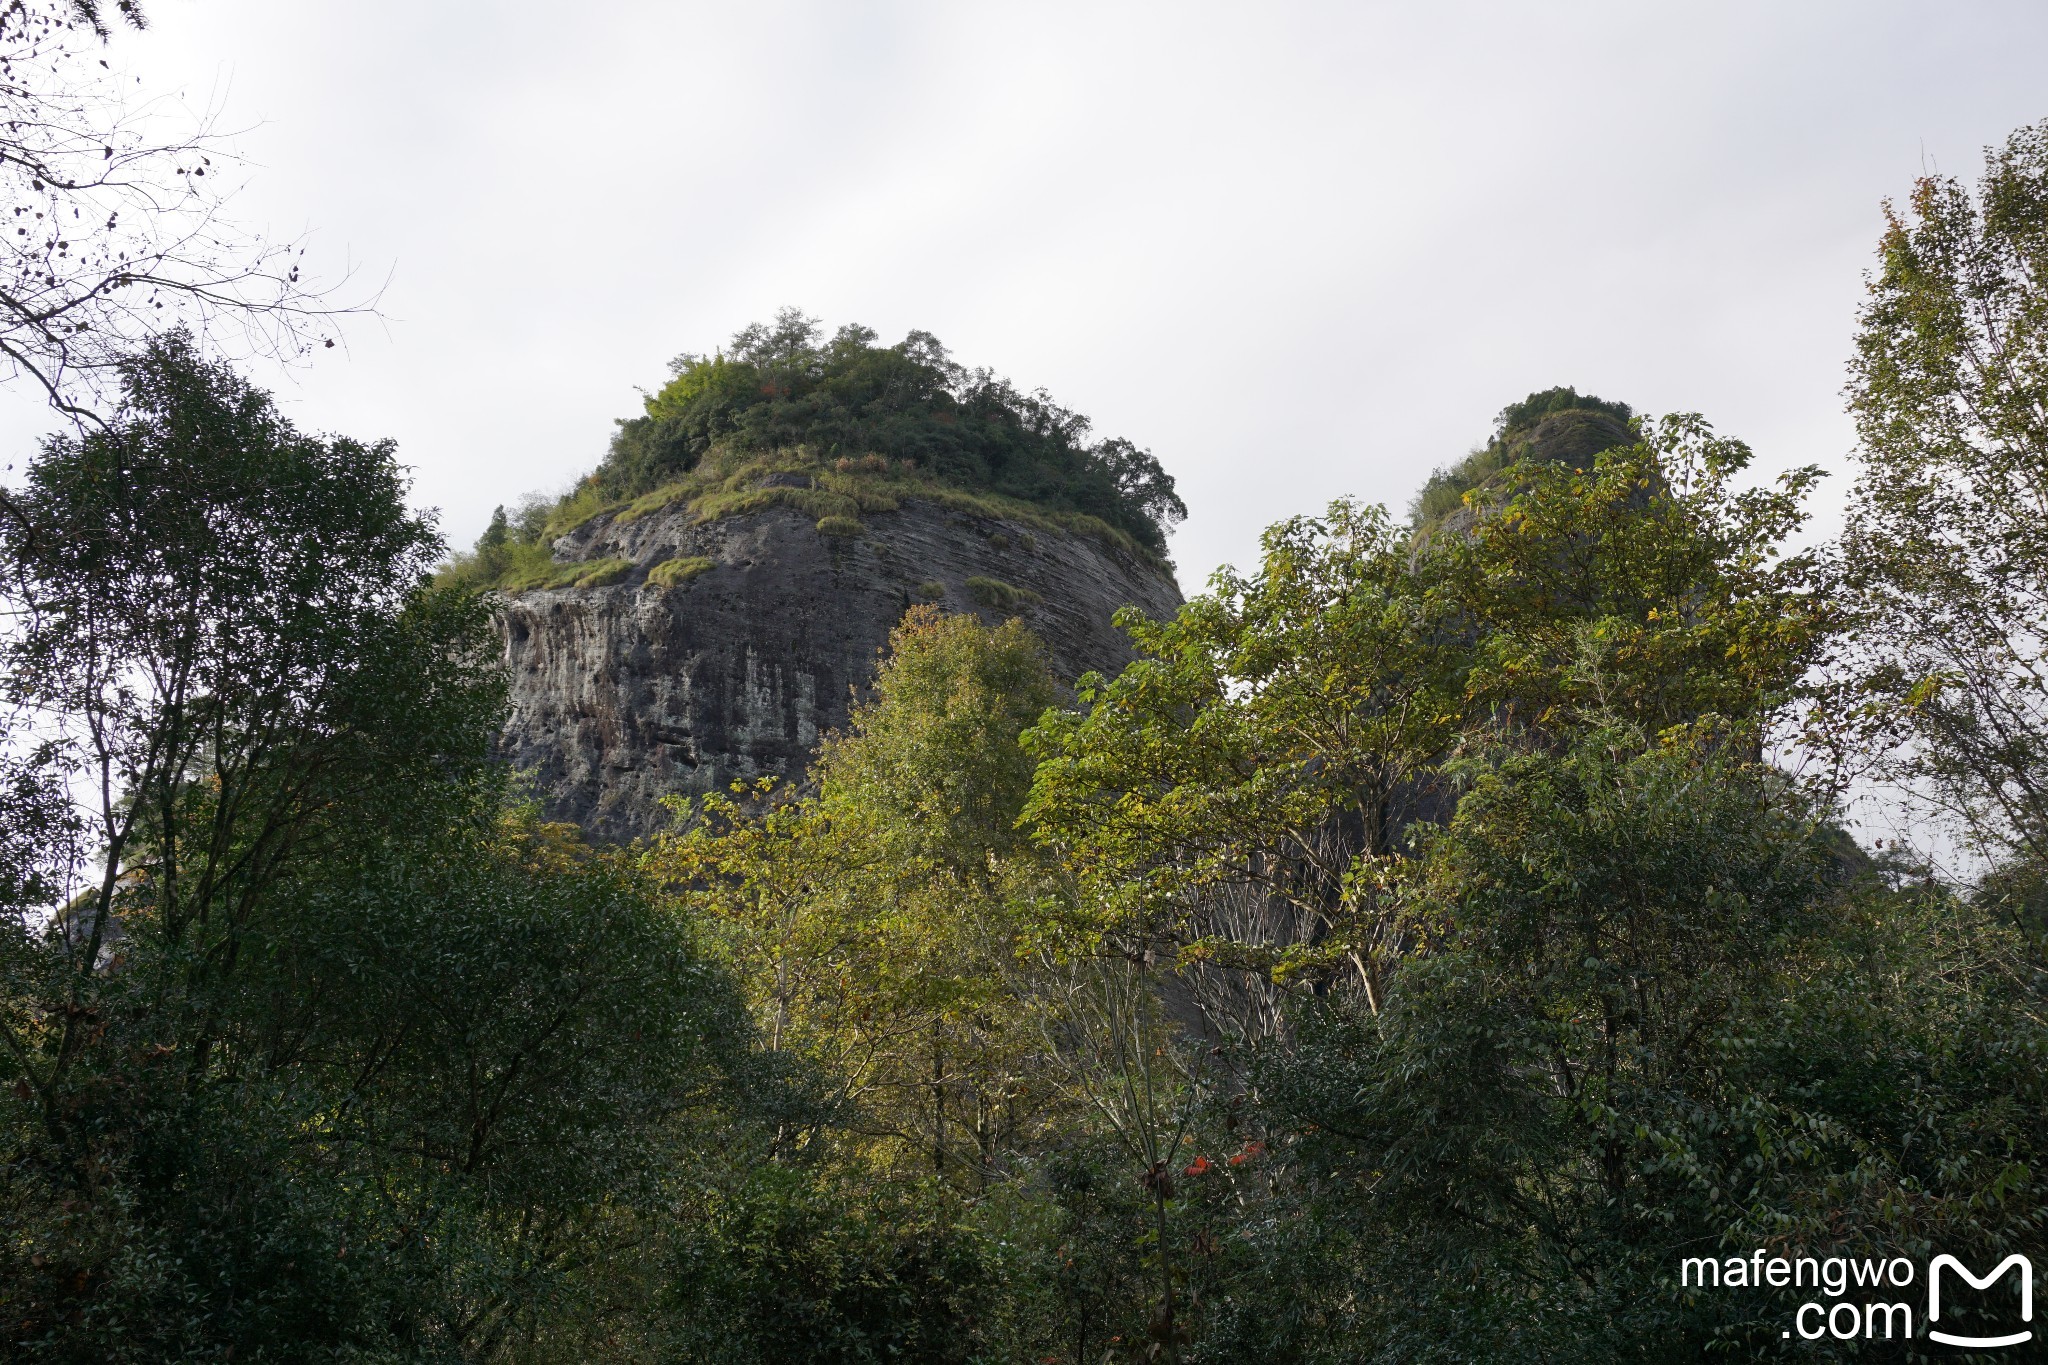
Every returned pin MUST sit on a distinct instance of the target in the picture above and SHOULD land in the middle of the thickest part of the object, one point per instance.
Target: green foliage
(594, 573)
(324, 1054)
(1648, 1024)
(730, 483)
(1463, 848)
(1309, 712)
(582, 503)
(781, 387)
(760, 486)
(397, 1169)
(1556, 426)
(1531, 412)
(840, 526)
(997, 595)
(1945, 545)
(935, 753)
(785, 1266)
(1413, 956)
(1551, 1046)
(497, 559)
(674, 573)
(874, 922)
(582, 573)
(519, 566)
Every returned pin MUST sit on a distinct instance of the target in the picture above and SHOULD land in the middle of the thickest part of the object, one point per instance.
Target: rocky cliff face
(626, 693)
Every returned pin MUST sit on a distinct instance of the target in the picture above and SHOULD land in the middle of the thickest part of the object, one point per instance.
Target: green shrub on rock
(674, 573)
(997, 595)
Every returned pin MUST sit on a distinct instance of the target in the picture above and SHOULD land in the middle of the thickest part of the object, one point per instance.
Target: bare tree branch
(112, 221)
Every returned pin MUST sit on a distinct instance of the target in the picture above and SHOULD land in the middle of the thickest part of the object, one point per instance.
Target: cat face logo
(2026, 1299)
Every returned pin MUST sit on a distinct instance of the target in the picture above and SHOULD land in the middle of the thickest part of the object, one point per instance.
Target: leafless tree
(115, 228)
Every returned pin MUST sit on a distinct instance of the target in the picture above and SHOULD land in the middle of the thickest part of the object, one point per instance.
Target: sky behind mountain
(1296, 250)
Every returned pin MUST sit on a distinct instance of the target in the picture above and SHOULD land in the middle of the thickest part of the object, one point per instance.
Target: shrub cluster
(674, 573)
(866, 408)
(835, 428)
(997, 595)
(1553, 426)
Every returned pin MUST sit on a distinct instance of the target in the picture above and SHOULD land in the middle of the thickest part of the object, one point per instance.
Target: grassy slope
(729, 484)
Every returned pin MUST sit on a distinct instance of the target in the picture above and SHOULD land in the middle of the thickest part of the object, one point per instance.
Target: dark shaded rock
(624, 694)
(1573, 437)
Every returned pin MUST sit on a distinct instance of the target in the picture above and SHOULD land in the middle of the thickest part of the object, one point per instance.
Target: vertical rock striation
(646, 688)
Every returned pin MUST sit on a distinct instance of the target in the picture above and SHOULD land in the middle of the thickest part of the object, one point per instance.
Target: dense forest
(1441, 932)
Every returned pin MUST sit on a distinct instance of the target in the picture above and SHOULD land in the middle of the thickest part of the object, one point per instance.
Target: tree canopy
(313, 1041)
(1553, 426)
(784, 385)
(1946, 547)
(1439, 937)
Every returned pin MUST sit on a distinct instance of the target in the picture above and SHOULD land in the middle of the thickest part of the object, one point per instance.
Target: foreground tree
(1247, 787)
(1657, 1017)
(309, 1044)
(220, 645)
(877, 920)
(1947, 539)
(1543, 931)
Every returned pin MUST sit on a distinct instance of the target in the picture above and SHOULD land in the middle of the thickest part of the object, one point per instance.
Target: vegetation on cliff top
(1554, 426)
(839, 427)
(1419, 954)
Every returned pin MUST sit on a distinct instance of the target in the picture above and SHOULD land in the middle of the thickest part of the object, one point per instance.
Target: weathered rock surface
(624, 694)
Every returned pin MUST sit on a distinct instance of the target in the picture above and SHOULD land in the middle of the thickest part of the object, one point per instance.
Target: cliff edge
(724, 648)
(700, 608)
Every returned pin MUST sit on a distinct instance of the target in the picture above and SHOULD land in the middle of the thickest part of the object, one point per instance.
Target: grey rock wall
(627, 693)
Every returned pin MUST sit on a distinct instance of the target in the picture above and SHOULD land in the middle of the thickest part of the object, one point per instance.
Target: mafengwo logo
(1868, 1316)
(2012, 1262)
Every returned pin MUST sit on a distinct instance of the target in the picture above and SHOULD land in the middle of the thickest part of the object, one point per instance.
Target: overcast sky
(1298, 251)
